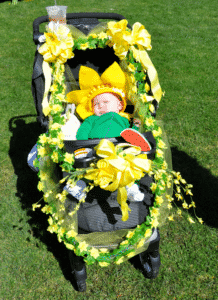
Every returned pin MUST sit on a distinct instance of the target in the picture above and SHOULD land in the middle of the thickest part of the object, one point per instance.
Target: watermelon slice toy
(135, 138)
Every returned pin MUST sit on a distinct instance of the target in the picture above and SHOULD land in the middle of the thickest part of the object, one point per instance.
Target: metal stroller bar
(43, 19)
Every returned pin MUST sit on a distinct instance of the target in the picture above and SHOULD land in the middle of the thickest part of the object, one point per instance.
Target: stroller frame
(149, 259)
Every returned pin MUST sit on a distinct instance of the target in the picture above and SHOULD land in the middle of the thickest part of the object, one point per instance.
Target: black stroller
(100, 214)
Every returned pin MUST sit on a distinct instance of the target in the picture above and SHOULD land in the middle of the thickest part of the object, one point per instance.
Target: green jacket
(106, 126)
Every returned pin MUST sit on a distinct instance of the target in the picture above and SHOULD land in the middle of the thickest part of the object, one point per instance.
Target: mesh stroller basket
(98, 220)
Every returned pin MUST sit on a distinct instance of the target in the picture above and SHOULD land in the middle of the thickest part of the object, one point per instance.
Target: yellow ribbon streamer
(118, 169)
(143, 57)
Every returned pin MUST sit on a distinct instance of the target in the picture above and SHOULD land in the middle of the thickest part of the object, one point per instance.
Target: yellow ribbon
(143, 57)
(118, 169)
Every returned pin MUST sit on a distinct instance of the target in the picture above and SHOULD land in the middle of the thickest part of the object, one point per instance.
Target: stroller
(98, 219)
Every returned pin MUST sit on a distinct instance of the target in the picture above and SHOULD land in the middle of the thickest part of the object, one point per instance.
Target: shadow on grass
(24, 136)
(205, 186)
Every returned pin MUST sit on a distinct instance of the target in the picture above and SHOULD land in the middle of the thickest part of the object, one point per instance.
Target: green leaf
(93, 44)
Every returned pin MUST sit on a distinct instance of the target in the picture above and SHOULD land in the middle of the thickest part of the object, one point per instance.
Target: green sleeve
(135, 127)
(84, 129)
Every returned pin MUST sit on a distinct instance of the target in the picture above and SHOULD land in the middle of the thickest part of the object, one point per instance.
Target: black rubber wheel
(150, 265)
(81, 285)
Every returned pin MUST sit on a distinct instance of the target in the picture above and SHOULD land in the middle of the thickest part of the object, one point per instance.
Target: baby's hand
(136, 122)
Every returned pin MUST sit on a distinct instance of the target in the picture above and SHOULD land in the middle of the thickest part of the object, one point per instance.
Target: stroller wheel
(150, 263)
(78, 271)
(80, 279)
(81, 285)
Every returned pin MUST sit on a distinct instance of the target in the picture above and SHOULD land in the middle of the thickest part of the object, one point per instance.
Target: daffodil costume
(110, 124)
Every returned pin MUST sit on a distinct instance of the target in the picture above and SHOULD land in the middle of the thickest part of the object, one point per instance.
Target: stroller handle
(43, 19)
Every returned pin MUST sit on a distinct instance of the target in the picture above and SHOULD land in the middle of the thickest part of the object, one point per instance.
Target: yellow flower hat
(113, 80)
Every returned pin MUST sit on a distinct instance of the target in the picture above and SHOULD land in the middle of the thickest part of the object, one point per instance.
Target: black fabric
(97, 59)
(101, 212)
(85, 24)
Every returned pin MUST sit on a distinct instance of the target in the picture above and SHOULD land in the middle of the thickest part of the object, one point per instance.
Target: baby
(106, 121)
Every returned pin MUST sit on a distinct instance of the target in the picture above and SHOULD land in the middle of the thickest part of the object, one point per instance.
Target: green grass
(33, 264)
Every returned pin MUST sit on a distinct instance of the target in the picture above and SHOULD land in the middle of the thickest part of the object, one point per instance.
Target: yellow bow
(113, 80)
(118, 169)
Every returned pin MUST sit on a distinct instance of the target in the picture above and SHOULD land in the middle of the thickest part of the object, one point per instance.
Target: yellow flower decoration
(84, 46)
(124, 242)
(147, 89)
(159, 153)
(102, 35)
(179, 212)
(154, 223)
(171, 218)
(185, 205)
(200, 220)
(140, 243)
(139, 36)
(119, 261)
(43, 176)
(58, 77)
(69, 158)
(47, 209)
(131, 68)
(145, 98)
(41, 151)
(130, 234)
(69, 246)
(61, 97)
(55, 126)
(57, 108)
(154, 212)
(54, 88)
(61, 135)
(149, 122)
(40, 186)
(157, 133)
(103, 250)
(151, 108)
(131, 254)
(169, 206)
(43, 139)
(53, 228)
(148, 233)
(93, 35)
(58, 47)
(190, 220)
(153, 187)
(188, 192)
(159, 200)
(161, 144)
(71, 233)
(103, 264)
(117, 27)
(54, 157)
(83, 246)
(94, 252)
(116, 30)
(34, 206)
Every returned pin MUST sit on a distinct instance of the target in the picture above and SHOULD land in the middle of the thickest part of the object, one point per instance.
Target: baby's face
(105, 103)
